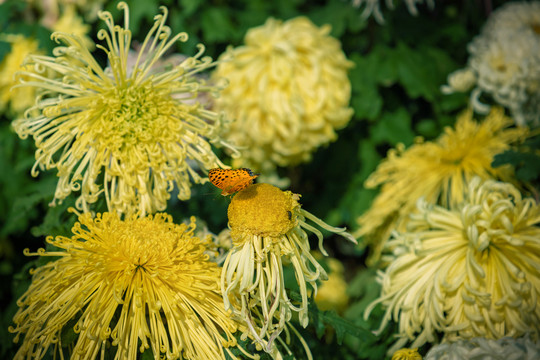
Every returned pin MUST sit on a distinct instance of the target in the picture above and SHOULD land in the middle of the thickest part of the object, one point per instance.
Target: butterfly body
(231, 180)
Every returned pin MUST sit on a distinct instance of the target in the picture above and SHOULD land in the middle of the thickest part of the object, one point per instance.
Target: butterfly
(231, 180)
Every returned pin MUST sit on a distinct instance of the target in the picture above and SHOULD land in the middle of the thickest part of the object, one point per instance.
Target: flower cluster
(438, 171)
(467, 271)
(130, 282)
(288, 92)
(127, 125)
(126, 134)
(504, 63)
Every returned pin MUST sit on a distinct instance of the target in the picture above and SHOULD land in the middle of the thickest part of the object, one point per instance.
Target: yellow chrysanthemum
(332, 294)
(437, 171)
(469, 271)
(50, 10)
(373, 7)
(71, 23)
(128, 134)
(407, 354)
(504, 62)
(267, 228)
(288, 92)
(16, 99)
(142, 284)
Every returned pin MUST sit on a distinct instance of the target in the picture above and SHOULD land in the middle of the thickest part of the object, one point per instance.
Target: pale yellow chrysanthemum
(505, 61)
(71, 23)
(437, 171)
(288, 92)
(522, 348)
(332, 293)
(128, 134)
(16, 99)
(407, 354)
(469, 271)
(142, 284)
(50, 10)
(373, 7)
(267, 228)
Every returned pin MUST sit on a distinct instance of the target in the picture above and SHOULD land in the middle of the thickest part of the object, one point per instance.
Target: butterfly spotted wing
(231, 180)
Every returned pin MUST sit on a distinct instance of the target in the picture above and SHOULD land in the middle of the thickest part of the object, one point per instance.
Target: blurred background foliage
(399, 68)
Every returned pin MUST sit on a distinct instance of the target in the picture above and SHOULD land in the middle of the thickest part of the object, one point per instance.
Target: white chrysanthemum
(505, 61)
(372, 7)
(506, 348)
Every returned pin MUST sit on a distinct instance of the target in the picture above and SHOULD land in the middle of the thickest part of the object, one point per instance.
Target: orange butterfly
(231, 180)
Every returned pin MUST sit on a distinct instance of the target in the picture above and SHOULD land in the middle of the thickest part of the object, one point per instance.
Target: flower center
(134, 114)
(262, 210)
(151, 246)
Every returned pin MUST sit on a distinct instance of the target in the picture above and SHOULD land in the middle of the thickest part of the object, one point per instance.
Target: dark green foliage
(525, 160)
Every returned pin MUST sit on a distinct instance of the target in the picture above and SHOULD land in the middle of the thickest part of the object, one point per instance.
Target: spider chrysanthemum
(268, 230)
(437, 171)
(288, 92)
(126, 286)
(468, 271)
(130, 134)
(504, 63)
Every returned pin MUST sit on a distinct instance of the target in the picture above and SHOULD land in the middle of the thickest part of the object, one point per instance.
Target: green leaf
(216, 25)
(68, 335)
(422, 71)
(321, 319)
(337, 14)
(366, 100)
(527, 164)
(5, 48)
(189, 7)
(357, 198)
(393, 128)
